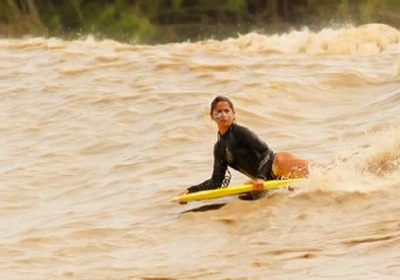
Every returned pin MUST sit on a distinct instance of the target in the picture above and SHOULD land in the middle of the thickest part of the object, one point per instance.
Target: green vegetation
(161, 21)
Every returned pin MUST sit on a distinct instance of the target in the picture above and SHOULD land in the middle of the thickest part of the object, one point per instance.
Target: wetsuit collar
(226, 132)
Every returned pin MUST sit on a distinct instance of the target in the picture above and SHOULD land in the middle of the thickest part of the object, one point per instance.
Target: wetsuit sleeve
(218, 175)
(264, 153)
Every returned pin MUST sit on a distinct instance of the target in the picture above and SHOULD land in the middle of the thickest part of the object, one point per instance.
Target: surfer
(241, 149)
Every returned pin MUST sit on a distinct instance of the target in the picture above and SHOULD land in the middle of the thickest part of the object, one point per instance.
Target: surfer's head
(218, 99)
(222, 112)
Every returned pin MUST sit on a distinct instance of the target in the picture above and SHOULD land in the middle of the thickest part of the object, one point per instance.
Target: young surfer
(240, 148)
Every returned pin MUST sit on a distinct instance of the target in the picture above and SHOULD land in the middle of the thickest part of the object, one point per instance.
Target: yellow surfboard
(234, 190)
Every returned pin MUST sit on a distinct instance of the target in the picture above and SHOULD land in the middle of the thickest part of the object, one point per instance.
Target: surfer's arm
(217, 178)
(209, 184)
(214, 182)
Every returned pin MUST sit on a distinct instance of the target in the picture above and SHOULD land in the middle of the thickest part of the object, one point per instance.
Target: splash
(382, 157)
(371, 167)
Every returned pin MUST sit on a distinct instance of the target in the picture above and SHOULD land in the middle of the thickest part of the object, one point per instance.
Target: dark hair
(221, 98)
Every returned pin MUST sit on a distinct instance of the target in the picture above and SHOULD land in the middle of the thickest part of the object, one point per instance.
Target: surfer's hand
(258, 184)
(182, 193)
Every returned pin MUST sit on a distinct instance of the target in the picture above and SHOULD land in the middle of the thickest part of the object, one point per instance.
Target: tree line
(162, 21)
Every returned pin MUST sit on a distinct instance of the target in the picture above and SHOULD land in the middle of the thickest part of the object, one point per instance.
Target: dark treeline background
(162, 21)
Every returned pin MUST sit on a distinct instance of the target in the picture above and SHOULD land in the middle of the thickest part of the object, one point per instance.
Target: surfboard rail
(234, 190)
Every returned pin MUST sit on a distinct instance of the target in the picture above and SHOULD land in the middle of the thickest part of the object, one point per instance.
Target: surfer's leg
(288, 165)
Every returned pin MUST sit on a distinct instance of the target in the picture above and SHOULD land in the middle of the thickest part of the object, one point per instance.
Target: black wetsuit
(242, 150)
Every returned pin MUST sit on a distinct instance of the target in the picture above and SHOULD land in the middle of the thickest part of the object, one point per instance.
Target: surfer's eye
(219, 113)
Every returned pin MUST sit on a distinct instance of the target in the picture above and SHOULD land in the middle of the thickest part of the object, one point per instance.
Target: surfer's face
(223, 114)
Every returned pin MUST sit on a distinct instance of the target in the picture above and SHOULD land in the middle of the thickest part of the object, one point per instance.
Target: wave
(363, 40)
(367, 39)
